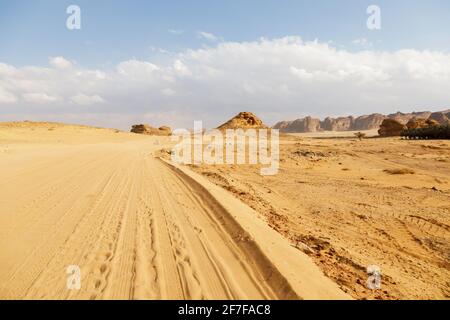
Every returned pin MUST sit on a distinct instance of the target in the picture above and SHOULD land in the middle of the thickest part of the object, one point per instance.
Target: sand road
(136, 228)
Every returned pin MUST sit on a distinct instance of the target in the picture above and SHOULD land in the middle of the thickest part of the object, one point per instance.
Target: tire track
(83, 238)
(61, 216)
(137, 229)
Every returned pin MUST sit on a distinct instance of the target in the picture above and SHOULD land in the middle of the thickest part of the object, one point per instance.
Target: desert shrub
(360, 135)
(431, 132)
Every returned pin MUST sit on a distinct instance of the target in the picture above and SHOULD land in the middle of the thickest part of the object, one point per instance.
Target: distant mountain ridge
(350, 123)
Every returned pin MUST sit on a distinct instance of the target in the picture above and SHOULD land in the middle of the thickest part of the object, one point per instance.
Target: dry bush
(360, 135)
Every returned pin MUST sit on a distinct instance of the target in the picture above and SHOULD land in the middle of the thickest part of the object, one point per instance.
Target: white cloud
(136, 67)
(301, 73)
(86, 100)
(39, 98)
(168, 92)
(180, 68)
(60, 63)
(278, 79)
(6, 70)
(207, 36)
(6, 97)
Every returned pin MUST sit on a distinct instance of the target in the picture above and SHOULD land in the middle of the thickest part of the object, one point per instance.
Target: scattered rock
(304, 247)
(312, 154)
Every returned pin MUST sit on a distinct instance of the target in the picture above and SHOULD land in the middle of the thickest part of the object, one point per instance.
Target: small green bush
(431, 132)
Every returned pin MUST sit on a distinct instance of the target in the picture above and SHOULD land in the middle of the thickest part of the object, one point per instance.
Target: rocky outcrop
(283, 126)
(369, 122)
(307, 124)
(403, 118)
(443, 118)
(391, 128)
(327, 124)
(417, 123)
(244, 120)
(365, 122)
(338, 124)
(165, 129)
(149, 130)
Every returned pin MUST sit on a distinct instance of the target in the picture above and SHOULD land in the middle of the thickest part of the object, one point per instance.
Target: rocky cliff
(442, 117)
(365, 122)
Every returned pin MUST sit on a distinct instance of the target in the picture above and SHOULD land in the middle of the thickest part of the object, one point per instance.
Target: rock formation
(365, 122)
(403, 118)
(244, 120)
(443, 118)
(283, 126)
(149, 130)
(369, 122)
(307, 124)
(391, 128)
(338, 124)
(417, 123)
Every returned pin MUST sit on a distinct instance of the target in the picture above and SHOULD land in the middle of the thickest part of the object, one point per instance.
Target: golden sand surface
(136, 226)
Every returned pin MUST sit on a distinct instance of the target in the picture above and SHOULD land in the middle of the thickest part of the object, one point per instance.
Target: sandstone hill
(418, 123)
(442, 117)
(244, 120)
(391, 128)
(350, 123)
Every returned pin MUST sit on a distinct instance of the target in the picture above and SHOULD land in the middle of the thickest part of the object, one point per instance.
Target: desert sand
(137, 226)
(140, 227)
(350, 204)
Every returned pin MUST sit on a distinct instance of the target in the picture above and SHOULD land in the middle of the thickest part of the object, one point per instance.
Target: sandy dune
(137, 227)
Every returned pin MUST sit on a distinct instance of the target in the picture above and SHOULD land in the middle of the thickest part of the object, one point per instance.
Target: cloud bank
(276, 78)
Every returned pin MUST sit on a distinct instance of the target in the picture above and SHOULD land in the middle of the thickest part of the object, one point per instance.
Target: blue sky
(173, 62)
(112, 31)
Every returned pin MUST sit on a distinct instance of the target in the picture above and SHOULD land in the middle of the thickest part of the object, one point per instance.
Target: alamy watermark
(374, 20)
(230, 146)
(73, 22)
(374, 278)
(74, 279)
